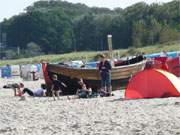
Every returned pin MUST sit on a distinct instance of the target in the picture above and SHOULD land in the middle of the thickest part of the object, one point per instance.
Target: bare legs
(109, 89)
(54, 94)
(14, 91)
(106, 91)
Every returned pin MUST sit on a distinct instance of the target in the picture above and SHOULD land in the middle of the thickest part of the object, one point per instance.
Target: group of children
(83, 90)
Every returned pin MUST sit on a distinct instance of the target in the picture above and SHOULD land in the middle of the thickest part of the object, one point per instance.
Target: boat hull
(120, 75)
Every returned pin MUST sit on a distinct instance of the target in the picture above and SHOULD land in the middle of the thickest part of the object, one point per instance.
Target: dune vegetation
(89, 56)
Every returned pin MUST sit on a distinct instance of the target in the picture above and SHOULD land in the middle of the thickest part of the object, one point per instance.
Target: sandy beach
(96, 116)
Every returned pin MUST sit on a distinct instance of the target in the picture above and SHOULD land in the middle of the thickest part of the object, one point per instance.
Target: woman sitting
(83, 90)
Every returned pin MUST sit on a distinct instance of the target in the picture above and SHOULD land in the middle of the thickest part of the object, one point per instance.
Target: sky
(9, 8)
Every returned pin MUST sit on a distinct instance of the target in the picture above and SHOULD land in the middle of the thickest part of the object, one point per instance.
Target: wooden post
(18, 50)
(109, 37)
(86, 59)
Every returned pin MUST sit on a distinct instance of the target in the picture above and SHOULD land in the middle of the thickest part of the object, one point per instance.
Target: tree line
(54, 27)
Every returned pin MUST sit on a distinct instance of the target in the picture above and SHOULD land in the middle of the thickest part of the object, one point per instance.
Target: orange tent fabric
(153, 83)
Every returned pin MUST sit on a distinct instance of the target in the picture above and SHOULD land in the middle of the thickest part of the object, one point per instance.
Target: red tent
(153, 83)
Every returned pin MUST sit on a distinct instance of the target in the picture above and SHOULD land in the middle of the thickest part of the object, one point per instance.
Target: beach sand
(96, 116)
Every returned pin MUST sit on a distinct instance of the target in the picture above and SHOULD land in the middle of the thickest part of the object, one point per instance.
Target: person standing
(56, 86)
(105, 72)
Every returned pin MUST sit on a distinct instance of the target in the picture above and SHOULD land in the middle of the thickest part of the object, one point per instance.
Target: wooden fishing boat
(92, 76)
(69, 75)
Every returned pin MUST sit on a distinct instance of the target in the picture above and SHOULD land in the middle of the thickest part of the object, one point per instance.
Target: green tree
(153, 31)
(168, 34)
(58, 26)
(33, 49)
(138, 33)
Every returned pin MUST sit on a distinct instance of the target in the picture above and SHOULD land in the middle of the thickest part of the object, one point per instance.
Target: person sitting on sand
(56, 86)
(20, 90)
(36, 93)
(83, 91)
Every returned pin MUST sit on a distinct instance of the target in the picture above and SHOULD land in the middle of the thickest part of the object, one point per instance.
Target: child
(56, 86)
(18, 89)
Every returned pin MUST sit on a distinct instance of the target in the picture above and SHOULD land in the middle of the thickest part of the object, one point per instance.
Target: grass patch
(87, 56)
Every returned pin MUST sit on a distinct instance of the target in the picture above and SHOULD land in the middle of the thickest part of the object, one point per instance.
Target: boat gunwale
(95, 69)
